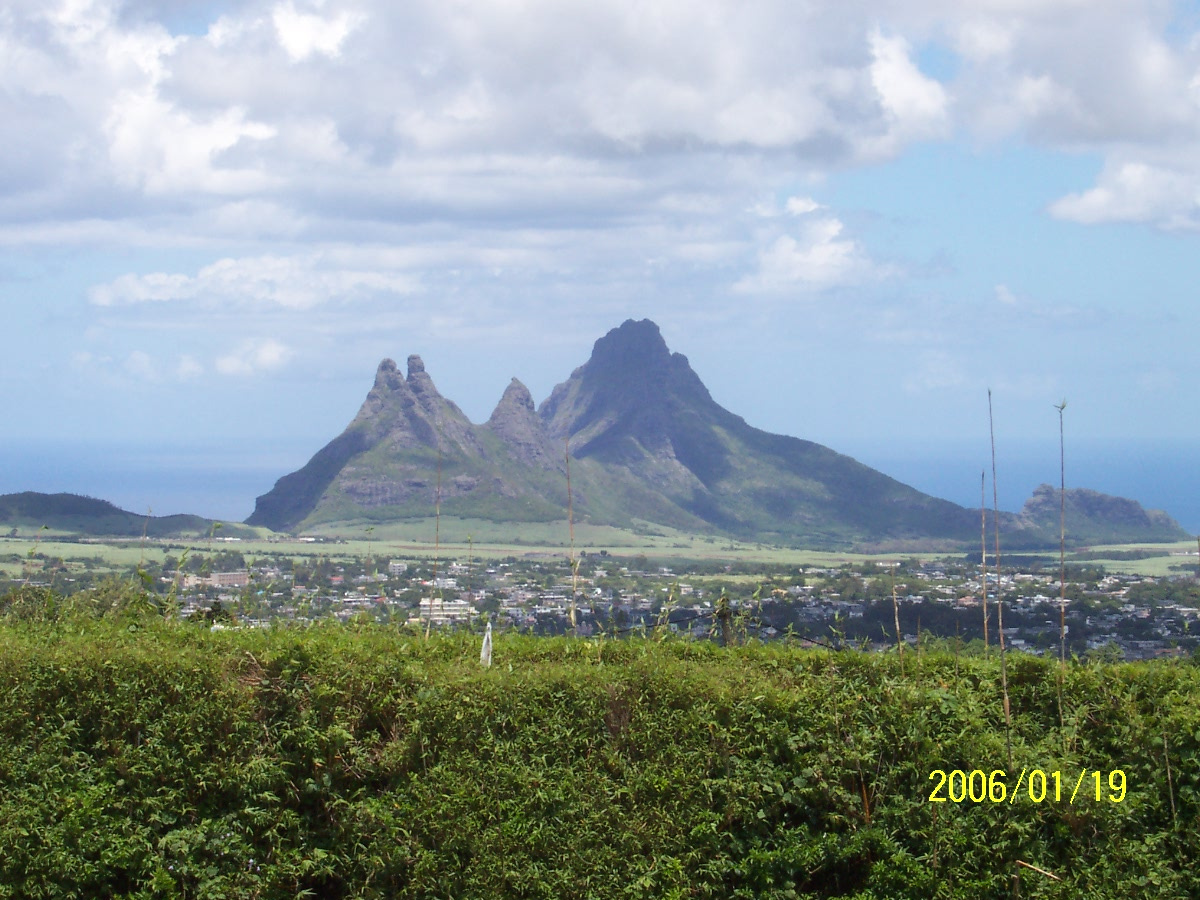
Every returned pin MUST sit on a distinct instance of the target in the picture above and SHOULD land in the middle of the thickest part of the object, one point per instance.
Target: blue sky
(854, 218)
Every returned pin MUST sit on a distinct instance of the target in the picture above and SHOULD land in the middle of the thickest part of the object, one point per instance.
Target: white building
(445, 612)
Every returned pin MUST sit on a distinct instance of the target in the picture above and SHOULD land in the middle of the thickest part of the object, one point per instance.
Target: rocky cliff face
(635, 404)
(410, 412)
(647, 443)
(516, 423)
(1093, 517)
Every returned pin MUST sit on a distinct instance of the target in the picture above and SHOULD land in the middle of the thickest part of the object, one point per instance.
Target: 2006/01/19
(978, 786)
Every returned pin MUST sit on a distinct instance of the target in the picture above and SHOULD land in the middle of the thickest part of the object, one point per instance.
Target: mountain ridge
(77, 513)
(646, 441)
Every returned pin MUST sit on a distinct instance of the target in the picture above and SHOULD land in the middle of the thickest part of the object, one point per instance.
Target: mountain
(647, 444)
(1095, 518)
(405, 441)
(77, 514)
(638, 409)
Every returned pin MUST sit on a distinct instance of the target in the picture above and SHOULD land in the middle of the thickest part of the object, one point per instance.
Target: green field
(489, 541)
(1180, 554)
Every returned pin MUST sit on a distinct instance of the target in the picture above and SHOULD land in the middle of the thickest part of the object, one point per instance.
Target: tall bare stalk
(437, 541)
(983, 553)
(142, 545)
(1062, 537)
(571, 533)
(896, 616)
(1170, 783)
(1062, 570)
(999, 600)
(470, 581)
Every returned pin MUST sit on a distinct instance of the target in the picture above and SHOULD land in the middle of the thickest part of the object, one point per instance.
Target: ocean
(219, 481)
(1158, 474)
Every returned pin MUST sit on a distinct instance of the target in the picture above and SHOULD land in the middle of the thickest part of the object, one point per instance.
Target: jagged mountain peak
(630, 366)
(422, 385)
(515, 421)
(634, 356)
(410, 411)
(652, 446)
(388, 377)
(516, 396)
(634, 396)
(633, 340)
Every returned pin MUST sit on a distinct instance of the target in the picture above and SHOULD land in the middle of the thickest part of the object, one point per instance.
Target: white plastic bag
(485, 655)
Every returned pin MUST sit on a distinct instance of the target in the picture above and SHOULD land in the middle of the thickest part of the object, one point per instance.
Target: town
(856, 604)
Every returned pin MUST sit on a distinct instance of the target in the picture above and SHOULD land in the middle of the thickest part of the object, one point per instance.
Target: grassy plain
(491, 541)
(1159, 565)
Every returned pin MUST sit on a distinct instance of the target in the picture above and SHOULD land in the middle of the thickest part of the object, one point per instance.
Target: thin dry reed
(999, 599)
(983, 554)
(1062, 570)
(437, 541)
(571, 531)
(896, 616)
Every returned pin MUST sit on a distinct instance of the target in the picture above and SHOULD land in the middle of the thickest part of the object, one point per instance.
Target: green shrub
(171, 761)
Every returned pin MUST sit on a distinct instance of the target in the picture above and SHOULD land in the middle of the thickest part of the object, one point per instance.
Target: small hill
(1096, 518)
(76, 514)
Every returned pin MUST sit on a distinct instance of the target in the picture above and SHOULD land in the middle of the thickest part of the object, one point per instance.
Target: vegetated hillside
(86, 515)
(1095, 518)
(641, 411)
(171, 761)
(405, 441)
(647, 444)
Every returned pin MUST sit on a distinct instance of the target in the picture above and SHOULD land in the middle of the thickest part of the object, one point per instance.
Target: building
(445, 612)
(229, 579)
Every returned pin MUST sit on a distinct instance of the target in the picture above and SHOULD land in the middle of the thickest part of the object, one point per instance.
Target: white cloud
(915, 105)
(981, 40)
(799, 206)
(769, 208)
(528, 130)
(188, 368)
(492, 97)
(164, 150)
(1137, 192)
(118, 367)
(292, 282)
(818, 259)
(303, 35)
(1111, 78)
(253, 358)
(127, 289)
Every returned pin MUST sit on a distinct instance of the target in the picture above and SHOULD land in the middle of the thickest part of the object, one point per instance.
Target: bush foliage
(148, 758)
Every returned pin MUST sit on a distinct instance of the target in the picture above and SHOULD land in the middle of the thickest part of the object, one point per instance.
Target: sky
(854, 218)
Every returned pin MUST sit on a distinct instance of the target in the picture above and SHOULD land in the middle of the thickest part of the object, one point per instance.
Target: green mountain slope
(407, 446)
(647, 443)
(86, 515)
(639, 409)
